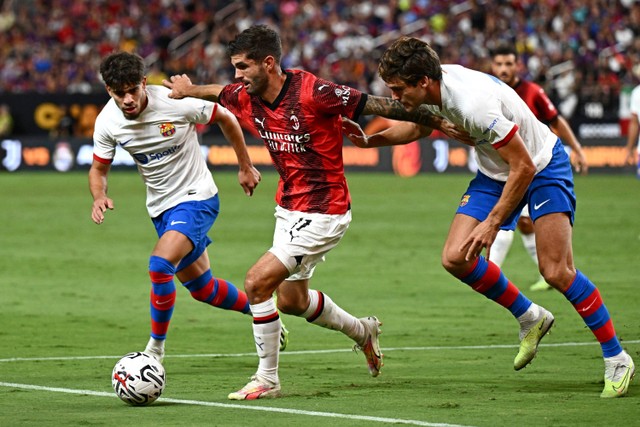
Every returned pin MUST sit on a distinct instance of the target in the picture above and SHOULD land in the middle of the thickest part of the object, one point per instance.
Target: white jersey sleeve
(164, 144)
(492, 113)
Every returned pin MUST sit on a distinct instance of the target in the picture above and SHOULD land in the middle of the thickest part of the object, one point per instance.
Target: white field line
(246, 407)
(268, 408)
(303, 352)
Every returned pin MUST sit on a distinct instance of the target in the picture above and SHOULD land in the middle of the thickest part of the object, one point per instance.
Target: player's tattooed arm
(392, 109)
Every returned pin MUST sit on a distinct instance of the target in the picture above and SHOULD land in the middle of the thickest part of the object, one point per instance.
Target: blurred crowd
(579, 50)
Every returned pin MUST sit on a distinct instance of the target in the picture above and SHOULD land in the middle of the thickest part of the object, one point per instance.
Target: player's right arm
(98, 188)
(182, 87)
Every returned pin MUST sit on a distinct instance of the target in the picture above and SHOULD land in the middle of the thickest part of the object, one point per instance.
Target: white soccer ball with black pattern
(138, 379)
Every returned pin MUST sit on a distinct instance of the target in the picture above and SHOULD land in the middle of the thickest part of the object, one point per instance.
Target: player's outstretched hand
(178, 85)
(99, 207)
(354, 132)
(249, 179)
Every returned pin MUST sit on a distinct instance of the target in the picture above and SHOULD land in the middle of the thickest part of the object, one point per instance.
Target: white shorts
(301, 240)
(525, 212)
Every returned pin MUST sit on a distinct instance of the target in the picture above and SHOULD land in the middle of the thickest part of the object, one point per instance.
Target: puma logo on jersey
(260, 122)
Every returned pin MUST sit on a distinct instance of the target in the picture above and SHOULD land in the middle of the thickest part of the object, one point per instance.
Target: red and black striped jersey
(302, 130)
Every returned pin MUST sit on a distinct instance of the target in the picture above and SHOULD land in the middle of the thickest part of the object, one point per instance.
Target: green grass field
(74, 298)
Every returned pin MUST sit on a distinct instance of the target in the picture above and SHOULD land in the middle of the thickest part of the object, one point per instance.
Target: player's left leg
(318, 308)
(215, 291)
(553, 201)
(556, 261)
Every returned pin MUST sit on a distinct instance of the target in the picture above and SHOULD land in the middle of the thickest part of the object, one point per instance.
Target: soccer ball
(138, 379)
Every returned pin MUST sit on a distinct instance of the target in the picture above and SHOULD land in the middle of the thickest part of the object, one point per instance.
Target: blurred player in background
(182, 197)
(298, 116)
(505, 65)
(520, 161)
(632, 156)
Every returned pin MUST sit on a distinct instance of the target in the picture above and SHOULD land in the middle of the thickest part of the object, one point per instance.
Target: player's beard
(257, 85)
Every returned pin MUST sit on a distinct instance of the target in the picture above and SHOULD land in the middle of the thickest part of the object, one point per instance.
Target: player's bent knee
(257, 288)
(453, 261)
(558, 277)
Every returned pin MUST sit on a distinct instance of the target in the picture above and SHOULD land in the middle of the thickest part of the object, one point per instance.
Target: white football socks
(267, 339)
(500, 247)
(529, 242)
(334, 317)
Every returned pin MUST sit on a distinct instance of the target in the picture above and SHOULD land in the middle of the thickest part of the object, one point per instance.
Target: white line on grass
(232, 406)
(301, 352)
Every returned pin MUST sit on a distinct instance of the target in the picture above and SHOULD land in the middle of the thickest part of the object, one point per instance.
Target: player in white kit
(182, 197)
(520, 161)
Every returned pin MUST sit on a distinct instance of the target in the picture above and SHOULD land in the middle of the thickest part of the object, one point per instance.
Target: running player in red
(505, 65)
(298, 116)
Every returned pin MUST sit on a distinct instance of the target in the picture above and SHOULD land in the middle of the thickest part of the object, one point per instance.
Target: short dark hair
(410, 59)
(122, 69)
(257, 42)
(504, 49)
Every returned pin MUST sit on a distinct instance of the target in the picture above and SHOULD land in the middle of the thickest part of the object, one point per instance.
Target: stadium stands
(577, 49)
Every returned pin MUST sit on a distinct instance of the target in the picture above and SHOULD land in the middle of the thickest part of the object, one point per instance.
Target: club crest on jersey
(295, 121)
(465, 200)
(167, 129)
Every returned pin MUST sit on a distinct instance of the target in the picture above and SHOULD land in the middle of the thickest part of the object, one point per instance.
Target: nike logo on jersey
(539, 205)
(174, 222)
(126, 142)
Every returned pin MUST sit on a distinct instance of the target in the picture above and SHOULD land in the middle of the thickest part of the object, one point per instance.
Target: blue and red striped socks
(218, 293)
(486, 278)
(163, 295)
(585, 298)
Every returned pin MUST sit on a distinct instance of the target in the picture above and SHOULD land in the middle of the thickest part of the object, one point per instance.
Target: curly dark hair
(504, 49)
(256, 42)
(409, 59)
(122, 69)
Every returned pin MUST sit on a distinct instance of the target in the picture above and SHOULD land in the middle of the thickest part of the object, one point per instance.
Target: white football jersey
(492, 115)
(164, 144)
